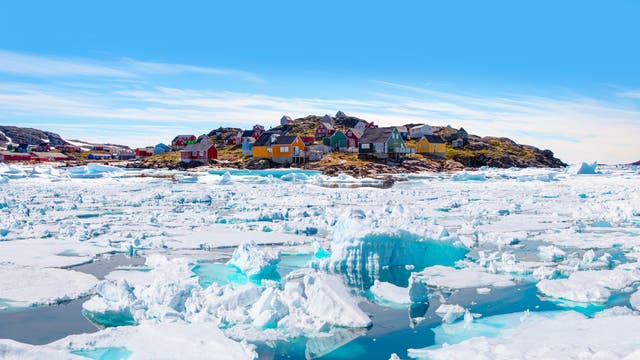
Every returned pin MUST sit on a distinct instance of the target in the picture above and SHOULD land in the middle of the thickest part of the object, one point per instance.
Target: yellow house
(432, 145)
(286, 148)
(262, 146)
(278, 148)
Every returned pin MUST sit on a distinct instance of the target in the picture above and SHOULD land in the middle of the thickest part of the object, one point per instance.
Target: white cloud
(18, 63)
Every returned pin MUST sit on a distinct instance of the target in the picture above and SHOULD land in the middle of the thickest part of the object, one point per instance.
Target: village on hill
(331, 144)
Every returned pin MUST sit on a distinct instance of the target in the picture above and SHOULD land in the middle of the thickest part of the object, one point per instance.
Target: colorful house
(94, 156)
(161, 149)
(48, 156)
(353, 136)
(288, 149)
(381, 143)
(308, 140)
(404, 133)
(327, 119)
(202, 151)
(337, 141)
(247, 145)
(279, 148)
(432, 145)
(180, 141)
(144, 152)
(324, 129)
(419, 131)
(285, 120)
(14, 156)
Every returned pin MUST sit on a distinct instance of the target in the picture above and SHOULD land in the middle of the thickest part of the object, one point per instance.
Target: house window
(284, 149)
(365, 146)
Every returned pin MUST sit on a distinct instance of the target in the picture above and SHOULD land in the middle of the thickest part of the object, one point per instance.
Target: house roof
(202, 145)
(285, 140)
(434, 139)
(419, 126)
(49, 155)
(357, 132)
(401, 128)
(181, 136)
(248, 133)
(264, 139)
(327, 125)
(377, 135)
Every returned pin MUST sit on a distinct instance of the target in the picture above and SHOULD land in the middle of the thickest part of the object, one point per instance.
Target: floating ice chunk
(390, 293)
(113, 304)
(28, 286)
(226, 179)
(551, 253)
(329, 300)
(254, 260)
(353, 251)
(583, 169)
(567, 335)
(590, 286)
(452, 278)
(450, 313)
(394, 356)
(483, 290)
(466, 176)
(161, 341)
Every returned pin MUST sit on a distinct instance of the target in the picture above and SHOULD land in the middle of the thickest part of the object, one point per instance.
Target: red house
(353, 136)
(308, 140)
(143, 152)
(180, 141)
(14, 156)
(324, 129)
(203, 151)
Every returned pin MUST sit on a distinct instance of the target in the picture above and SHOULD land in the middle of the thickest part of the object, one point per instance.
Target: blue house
(161, 149)
(94, 156)
(247, 146)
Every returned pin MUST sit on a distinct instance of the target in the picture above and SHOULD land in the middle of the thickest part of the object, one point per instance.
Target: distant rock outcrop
(19, 135)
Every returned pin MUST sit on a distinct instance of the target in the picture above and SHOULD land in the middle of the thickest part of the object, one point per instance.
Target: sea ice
(452, 278)
(563, 335)
(450, 313)
(24, 286)
(254, 260)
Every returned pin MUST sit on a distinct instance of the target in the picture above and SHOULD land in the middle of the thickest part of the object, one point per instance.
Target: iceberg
(450, 313)
(583, 169)
(452, 278)
(113, 304)
(255, 261)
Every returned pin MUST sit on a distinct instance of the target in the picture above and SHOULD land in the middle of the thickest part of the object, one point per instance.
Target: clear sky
(563, 75)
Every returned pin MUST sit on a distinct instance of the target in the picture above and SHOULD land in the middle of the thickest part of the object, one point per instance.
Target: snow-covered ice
(237, 262)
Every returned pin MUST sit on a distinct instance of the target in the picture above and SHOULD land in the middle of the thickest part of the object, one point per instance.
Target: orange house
(278, 148)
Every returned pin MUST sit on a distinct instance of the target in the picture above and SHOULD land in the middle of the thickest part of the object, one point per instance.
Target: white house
(419, 131)
(285, 120)
(327, 119)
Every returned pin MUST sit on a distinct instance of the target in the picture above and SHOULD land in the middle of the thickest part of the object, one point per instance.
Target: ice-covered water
(293, 264)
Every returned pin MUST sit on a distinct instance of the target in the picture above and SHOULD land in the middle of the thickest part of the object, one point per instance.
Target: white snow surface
(566, 335)
(23, 286)
(162, 341)
(452, 278)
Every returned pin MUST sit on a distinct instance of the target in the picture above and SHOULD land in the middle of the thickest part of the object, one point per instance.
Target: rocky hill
(19, 135)
(501, 153)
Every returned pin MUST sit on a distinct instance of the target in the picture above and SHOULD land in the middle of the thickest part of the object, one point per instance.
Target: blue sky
(555, 74)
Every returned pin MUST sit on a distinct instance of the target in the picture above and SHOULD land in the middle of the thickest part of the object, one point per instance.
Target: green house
(381, 142)
(336, 141)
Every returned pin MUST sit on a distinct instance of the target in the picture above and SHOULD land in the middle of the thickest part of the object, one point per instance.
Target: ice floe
(564, 335)
(24, 286)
